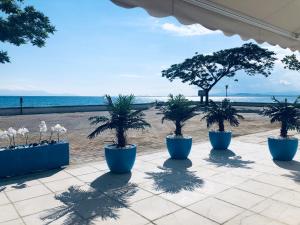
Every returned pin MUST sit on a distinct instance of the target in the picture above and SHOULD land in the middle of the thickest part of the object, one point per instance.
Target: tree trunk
(283, 130)
(121, 140)
(206, 97)
(221, 126)
(178, 129)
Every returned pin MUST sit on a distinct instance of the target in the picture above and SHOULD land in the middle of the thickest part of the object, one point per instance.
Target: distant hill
(259, 94)
(266, 94)
(7, 92)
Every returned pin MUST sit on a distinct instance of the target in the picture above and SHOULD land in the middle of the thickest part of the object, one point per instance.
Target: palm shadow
(175, 177)
(293, 167)
(227, 158)
(102, 200)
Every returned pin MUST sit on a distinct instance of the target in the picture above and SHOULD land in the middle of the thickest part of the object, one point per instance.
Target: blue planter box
(27, 160)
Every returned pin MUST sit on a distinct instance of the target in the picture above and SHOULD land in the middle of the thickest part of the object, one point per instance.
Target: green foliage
(218, 113)
(20, 25)
(121, 118)
(285, 113)
(3, 57)
(178, 109)
(291, 62)
(205, 71)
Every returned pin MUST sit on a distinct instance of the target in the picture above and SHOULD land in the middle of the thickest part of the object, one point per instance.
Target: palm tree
(178, 109)
(219, 113)
(121, 118)
(285, 113)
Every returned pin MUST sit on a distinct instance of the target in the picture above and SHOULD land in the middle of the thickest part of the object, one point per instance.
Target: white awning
(274, 21)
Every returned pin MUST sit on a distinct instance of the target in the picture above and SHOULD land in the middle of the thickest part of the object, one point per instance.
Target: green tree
(21, 25)
(205, 71)
(291, 62)
(285, 113)
(121, 118)
(218, 113)
(178, 109)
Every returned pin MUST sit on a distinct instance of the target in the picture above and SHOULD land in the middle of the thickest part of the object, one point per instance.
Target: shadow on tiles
(228, 158)
(293, 168)
(19, 182)
(175, 177)
(107, 194)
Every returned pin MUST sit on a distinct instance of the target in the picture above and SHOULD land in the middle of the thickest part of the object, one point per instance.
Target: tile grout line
(180, 207)
(277, 186)
(13, 205)
(250, 208)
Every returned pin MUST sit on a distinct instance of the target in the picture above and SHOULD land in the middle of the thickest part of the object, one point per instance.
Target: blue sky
(100, 48)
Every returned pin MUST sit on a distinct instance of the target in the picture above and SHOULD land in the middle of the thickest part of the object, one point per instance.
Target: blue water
(44, 101)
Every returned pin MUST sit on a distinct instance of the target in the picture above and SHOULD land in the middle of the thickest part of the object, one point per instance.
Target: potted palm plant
(120, 156)
(283, 148)
(178, 109)
(218, 113)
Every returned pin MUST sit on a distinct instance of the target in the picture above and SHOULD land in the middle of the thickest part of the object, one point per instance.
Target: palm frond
(139, 125)
(178, 109)
(285, 113)
(217, 113)
(121, 118)
(98, 119)
(100, 129)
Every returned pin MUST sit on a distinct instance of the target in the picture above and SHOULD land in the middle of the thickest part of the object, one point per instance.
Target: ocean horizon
(48, 101)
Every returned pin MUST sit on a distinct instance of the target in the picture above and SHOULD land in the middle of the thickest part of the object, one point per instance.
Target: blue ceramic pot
(283, 149)
(220, 140)
(179, 147)
(120, 160)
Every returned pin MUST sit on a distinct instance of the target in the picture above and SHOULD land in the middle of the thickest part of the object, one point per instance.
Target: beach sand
(149, 140)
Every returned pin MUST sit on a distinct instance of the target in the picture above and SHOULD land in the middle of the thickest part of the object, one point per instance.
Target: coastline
(13, 111)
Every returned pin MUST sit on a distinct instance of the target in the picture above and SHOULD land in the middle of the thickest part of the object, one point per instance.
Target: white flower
(23, 131)
(52, 129)
(43, 127)
(11, 132)
(3, 134)
(59, 129)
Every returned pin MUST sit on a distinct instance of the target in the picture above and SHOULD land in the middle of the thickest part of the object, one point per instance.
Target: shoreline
(13, 111)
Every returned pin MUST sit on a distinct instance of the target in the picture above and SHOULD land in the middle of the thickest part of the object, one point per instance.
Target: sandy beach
(149, 140)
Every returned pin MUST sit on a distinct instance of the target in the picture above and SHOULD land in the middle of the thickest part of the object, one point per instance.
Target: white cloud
(190, 30)
(284, 82)
(281, 52)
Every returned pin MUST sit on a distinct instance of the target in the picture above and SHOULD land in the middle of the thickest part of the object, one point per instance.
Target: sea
(46, 101)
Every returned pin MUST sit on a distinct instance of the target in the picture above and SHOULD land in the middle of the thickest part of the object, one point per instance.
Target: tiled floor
(242, 186)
